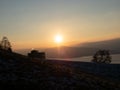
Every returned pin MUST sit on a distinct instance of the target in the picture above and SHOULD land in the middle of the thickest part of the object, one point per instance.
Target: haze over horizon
(35, 23)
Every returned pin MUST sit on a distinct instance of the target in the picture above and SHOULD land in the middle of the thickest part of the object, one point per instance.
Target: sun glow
(58, 38)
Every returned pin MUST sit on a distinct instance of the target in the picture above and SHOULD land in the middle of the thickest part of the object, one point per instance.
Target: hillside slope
(18, 72)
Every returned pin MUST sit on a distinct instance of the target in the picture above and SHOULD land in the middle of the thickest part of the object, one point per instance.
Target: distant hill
(113, 44)
(23, 51)
(84, 49)
(69, 52)
(63, 52)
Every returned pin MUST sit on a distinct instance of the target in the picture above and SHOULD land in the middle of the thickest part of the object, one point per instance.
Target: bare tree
(5, 44)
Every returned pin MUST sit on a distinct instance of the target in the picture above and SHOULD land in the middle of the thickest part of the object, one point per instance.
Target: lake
(115, 59)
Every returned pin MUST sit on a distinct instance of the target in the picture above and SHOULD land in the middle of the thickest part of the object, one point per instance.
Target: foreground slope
(17, 71)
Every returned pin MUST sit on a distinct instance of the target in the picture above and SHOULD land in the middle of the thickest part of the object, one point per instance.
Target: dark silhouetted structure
(5, 44)
(36, 54)
(102, 56)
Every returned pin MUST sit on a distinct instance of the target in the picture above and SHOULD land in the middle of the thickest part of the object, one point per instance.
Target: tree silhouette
(102, 56)
(5, 44)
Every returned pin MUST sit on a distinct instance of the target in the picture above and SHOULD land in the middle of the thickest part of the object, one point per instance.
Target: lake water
(115, 59)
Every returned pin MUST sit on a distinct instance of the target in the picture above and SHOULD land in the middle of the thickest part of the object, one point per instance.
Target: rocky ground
(25, 73)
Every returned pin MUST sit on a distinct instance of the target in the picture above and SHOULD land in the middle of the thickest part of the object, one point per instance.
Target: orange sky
(35, 23)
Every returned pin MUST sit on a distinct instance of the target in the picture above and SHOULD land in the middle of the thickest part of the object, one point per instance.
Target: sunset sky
(35, 23)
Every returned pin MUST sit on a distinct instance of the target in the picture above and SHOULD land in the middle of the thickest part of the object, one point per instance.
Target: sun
(58, 38)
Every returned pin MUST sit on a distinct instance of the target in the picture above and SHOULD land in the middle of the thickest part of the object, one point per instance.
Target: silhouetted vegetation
(18, 71)
(5, 44)
(102, 56)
